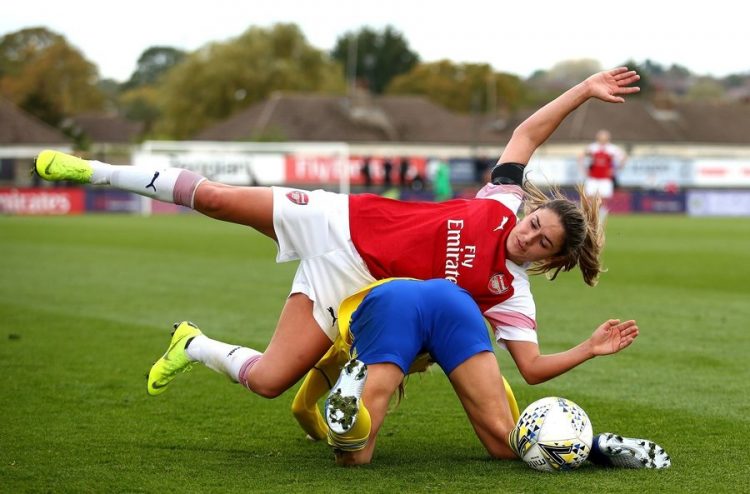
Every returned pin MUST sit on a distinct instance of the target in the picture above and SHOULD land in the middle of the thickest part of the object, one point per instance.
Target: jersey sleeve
(510, 196)
(618, 155)
(515, 318)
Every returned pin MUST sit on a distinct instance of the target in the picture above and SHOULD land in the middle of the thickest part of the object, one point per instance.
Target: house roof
(104, 128)
(301, 117)
(715, 123)
(19, 127)
(631, 121)
(415, 119)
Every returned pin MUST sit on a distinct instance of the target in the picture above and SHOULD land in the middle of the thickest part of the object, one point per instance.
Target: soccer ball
(553, 434)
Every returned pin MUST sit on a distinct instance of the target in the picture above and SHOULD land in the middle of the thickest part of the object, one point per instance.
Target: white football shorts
(313, 227)
(603, 186)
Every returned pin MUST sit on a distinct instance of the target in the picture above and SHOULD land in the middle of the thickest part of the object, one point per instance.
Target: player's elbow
(531, 377)
(527, 136)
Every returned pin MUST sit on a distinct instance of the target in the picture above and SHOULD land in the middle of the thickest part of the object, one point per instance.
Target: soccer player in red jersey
(345, 242)
(601, 159)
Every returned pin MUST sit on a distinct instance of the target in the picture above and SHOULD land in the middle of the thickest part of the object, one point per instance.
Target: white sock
(166, 184)
(221, 357)
(157, 183)
(102, 172)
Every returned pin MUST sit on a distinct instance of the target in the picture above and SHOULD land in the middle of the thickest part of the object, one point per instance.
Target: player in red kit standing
(601, 160)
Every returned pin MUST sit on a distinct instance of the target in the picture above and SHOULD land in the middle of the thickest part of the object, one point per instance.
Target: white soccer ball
(553, 434)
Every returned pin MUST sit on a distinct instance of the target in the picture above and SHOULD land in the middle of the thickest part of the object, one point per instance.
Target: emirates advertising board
(52, 201)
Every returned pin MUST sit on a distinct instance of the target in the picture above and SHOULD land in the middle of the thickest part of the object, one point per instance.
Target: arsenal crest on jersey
(298, 197)
(497, 284)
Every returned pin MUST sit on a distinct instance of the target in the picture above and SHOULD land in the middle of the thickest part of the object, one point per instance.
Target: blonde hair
(584, 234)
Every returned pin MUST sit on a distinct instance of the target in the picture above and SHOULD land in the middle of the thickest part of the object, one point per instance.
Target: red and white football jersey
(462, 240)
(605, 158)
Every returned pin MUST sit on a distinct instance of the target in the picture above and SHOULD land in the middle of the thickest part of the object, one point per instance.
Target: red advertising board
(722, 172)
(307, 169)
(620, 203)
(41, 201)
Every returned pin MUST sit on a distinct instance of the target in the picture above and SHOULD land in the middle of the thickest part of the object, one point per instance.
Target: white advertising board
(228, 167)
(718, 202)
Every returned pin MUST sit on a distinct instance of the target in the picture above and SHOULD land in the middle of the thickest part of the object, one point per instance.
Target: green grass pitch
(86, 305)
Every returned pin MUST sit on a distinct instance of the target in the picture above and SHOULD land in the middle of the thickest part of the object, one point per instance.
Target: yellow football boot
(56, 166)
(175, 359)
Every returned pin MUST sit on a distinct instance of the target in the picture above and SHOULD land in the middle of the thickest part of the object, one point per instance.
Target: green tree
(566, 74)
(138, 98)
(152, 64)
(141, 105)
(110, 90)
(379, 56)
(545, 85)
(735, 80)
(653, 68)
(44, 75)
(706, 89)
(679, 70)
(465, 88)
(221, 78)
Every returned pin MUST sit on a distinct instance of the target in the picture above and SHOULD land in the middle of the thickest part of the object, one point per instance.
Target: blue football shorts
(400, 319)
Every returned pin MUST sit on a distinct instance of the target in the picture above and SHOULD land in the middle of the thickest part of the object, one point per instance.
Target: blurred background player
(387, 173)
(366, 171)
(600, 162)
(403, 172)
(441, 182)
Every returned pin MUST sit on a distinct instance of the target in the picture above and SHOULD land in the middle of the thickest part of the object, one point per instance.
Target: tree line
(177, 93)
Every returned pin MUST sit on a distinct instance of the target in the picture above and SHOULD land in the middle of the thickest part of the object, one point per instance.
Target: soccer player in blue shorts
(387, 326)
(395, 322)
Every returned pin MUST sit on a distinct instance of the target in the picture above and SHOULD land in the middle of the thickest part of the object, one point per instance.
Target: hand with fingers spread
(613, 336)
(612, 85)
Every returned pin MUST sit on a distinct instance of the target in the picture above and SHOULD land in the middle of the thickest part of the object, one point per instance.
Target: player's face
(540, 235)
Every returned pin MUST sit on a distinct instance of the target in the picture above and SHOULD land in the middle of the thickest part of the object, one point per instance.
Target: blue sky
(519, 38)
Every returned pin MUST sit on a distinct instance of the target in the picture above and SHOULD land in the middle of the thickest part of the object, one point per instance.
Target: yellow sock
(511, 401)
(305, 405)
(355, 438)
(318, 383)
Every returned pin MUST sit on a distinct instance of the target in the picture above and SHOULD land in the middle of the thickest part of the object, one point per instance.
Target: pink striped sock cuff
(249, 363)
(184, 188)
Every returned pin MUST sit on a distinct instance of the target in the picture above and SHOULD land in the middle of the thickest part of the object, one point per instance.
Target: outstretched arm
(611, 337)
(610, 86)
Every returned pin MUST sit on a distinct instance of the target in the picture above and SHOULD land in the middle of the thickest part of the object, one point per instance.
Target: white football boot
(624, 452)
(342, 405)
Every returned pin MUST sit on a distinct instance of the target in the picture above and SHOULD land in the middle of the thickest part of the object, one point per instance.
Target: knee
(266, 390)
(300, 408)
(263, 384)
(210, 197)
